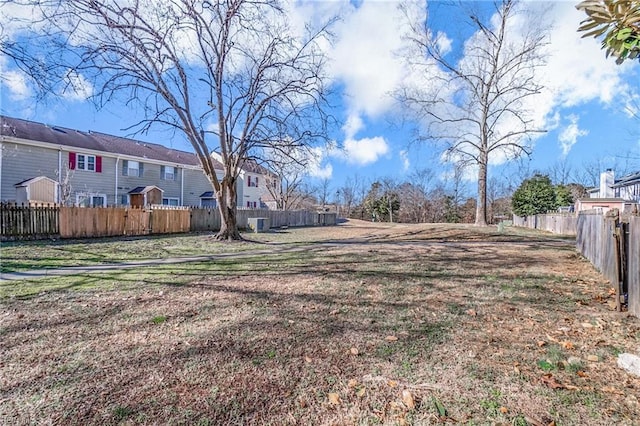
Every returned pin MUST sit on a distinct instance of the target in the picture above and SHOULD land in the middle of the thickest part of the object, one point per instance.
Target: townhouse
(42, 163)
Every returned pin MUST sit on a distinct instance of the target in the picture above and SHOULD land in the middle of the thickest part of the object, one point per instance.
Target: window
(208, 202)
(171, 201)
(168, 173)
(252, 181)
(132, 168)
(90, 163)
(84, 199)
(252, 204)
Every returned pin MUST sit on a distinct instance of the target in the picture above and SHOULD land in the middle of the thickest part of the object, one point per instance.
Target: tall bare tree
(235, 69)
(476, 106)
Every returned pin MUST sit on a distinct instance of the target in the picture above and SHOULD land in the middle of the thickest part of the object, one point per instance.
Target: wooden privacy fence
(611, 242)
(25, 222)
(558, 223)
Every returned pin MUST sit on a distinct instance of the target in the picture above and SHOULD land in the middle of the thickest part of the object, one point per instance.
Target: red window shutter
(98, 164)
(72, 161)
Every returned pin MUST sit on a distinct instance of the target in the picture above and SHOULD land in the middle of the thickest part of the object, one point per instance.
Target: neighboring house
(253, 192)
(97, 169)
(622, 194)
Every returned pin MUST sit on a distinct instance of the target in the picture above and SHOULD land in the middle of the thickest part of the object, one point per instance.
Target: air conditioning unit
(258, 224)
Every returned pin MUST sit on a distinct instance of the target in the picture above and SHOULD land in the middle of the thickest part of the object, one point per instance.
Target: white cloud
(352, 126)
(365, 151)
(570, 134)
(404, 156)
(16, 83)
(364, 58)
(443, 42)
(77, 88)
(316, 166)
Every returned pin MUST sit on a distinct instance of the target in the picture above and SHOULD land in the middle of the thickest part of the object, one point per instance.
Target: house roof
(28, 182)
(627, 180)
(602, 200)
(143, 189)
(96, 141)
(207, 194)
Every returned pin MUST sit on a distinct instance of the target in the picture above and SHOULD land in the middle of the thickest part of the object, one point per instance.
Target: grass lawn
(358, 324)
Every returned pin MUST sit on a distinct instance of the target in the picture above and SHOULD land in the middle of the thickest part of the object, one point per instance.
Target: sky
(586, 106)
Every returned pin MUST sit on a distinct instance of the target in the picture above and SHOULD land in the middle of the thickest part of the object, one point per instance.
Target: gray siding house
(96, 169)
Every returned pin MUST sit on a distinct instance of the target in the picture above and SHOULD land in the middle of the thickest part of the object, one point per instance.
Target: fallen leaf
(361, 391)
(611, 389)
(612, 291)
(302, 403)
(334, 398)
(408, 400)
(472, 313)
(391, 338)
(354, 351)
(307, 359)
(334, 312)
(587, 325)
(571, 387)
(581, 373)
(541, 343)
(567, 344)
(504, 410)
(392, 383)
(593, 358)
(353, 383)
(551, 381)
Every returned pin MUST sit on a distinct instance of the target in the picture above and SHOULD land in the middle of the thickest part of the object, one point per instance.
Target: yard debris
(407, 398)
(391, 338)
(551, 381)
(353, 351)
(334, 398)
(593, 358)
(630, 363)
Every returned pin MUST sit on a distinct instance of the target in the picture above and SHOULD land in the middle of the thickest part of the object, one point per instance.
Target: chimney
(607, 180)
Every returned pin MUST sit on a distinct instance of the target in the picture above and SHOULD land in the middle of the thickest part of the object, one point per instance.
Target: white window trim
(133, 171)
(85, 162)
(89, 196)
(173, 174)
(176, 199)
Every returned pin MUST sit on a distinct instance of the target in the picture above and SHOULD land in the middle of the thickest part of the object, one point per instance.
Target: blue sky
(585, 105)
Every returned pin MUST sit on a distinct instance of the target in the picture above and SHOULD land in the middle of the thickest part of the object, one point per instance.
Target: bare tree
(323, 191)
(286, 183)
(561, 172)
(476, 106)
(64, 184)
(235, 69)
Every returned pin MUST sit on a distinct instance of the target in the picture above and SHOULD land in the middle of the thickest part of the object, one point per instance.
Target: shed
(142, 196)
(39, 189)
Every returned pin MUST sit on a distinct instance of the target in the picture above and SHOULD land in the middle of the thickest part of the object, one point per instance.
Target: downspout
(58, 200)
(182, 186)
(116, 196)
(1, 151)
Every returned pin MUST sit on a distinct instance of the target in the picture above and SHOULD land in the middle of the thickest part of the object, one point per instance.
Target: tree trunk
(228, 211)
(481, 204)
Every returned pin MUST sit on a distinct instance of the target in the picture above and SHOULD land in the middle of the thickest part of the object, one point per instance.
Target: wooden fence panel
(28, 221)
(205, 219)
(84, 222)
(169, 221)
(633, 266)
(137, 221)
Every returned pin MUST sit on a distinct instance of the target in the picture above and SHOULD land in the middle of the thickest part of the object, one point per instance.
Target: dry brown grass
(386, 325)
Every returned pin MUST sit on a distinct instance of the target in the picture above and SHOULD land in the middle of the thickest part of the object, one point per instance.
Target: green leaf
(442, 411)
